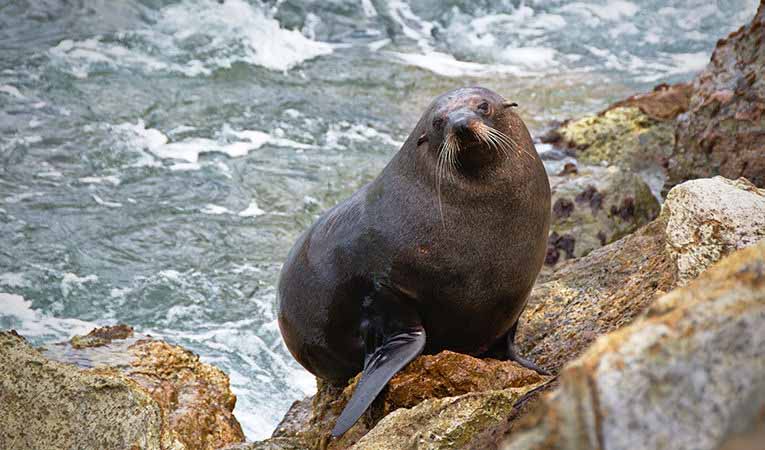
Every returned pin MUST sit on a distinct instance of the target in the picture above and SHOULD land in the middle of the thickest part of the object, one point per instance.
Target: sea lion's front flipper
(393, 336)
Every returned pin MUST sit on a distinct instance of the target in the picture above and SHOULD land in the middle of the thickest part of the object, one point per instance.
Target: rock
(446, 375)
(296, 420)
(723, 130)
(445, 423)
(636, 134)
(666, 102)
(688, 374)
(101, 336)
(701, 221)
(450, 374)
(47, 404)
(709, 219)
(195, 397)
(595, 207)
(185, 403)
(590, 296)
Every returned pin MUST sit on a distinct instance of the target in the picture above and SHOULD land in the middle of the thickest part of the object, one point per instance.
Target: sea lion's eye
(483, 108)
(438, 122)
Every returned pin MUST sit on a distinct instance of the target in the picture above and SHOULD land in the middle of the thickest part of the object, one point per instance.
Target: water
(158, 158)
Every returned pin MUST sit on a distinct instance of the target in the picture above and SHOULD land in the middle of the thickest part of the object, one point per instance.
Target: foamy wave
(17, 313)
(533, 38)
(230, 142)
(194, 37)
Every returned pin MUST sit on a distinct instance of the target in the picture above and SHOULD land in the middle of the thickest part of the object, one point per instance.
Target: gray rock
(688, 374)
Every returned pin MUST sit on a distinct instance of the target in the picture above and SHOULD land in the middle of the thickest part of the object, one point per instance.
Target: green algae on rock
(636, 134)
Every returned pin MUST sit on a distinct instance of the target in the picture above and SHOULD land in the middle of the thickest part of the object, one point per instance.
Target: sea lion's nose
(461, 123)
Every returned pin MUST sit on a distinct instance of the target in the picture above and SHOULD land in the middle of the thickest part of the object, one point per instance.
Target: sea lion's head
(469, 129)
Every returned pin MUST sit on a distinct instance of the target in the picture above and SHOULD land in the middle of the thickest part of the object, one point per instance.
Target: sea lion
(439, 252)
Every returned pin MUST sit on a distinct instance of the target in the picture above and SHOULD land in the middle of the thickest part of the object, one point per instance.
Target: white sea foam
(31, 323)
(103, 202)
(252, 210)
(13, 279)
(230, 142)
(214, 209)
(71, 281)
(220, 34)
(110, 179)
(13, 91)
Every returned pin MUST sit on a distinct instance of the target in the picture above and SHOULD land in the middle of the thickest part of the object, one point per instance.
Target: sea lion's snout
(463, 124)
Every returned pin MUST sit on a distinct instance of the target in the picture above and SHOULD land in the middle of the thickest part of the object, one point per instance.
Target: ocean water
(158, 158)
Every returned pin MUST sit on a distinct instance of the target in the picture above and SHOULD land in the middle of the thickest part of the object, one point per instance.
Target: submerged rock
(702, 221)
(723, 131)
(688, 374)
(110, 389)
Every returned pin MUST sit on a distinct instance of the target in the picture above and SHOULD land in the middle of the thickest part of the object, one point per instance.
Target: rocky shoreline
(650, 312)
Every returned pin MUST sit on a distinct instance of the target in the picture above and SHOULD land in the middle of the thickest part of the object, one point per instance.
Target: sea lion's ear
(509, 104)
(422, 139)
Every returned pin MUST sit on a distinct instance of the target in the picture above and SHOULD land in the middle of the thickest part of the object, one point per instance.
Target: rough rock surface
(444, 423)
(723, 131)
(195, 398)
(701, 222)
(595, 207)
(587, 297)
(471, 389)
(47, 404)
(179, 402)
(708, 219)
(687, 375)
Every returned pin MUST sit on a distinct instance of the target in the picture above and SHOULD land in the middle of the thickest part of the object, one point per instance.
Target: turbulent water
(158, 158)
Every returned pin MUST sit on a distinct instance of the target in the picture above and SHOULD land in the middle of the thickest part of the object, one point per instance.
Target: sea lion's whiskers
(439, 174)
(510, 142)
(494, 138)
(452, 150)
(518, 148)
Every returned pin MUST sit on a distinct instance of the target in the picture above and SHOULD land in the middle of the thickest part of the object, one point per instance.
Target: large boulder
(707, 219)
(723, 131)
(47, 404)
(702, 221)
(594, 207)
(112, 389)
(688, 374)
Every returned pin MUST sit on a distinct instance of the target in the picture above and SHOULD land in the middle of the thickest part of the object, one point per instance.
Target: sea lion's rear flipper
(393, 336)
(512, 353)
